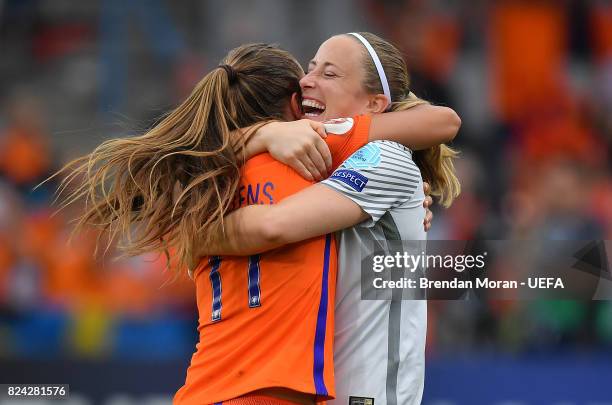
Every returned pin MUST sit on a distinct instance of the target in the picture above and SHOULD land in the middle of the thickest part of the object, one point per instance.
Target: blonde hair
(159, 190)
(436, 163)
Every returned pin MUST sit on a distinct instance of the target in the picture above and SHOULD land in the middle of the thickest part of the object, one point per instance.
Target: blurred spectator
(24, 143)
(528, 51)
(162, 37)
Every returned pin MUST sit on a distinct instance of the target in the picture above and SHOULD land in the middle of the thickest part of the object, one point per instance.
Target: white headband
(379, 68)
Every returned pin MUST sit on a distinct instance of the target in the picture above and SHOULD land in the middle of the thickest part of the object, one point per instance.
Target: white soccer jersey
(379, 349)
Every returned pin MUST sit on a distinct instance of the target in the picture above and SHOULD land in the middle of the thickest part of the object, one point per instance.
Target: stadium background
(532, 81)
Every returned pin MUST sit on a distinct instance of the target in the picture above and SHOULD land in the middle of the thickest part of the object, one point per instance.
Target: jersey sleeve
(378, 177)
(345, 136)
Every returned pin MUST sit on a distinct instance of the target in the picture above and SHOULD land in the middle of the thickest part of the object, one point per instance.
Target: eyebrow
(313, 62)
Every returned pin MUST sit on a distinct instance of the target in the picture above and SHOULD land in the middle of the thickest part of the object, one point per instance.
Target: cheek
(342, 100)
(351, 106)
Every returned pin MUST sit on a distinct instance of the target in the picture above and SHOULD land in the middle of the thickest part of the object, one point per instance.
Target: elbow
(273, 231)
(453, 124)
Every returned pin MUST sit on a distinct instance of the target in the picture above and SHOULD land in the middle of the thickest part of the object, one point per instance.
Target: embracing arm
(258, 228)
(419, 127)
(352, 196)
(300, 144)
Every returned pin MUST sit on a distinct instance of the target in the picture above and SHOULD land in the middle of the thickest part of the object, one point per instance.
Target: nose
(307, 82)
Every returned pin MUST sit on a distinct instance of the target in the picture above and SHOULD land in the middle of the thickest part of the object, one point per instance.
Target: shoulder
(382, 154)
(339, 126)
(393, 148)
(344, 126)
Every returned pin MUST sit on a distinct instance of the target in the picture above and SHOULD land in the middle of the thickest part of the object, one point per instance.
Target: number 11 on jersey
(254, 287)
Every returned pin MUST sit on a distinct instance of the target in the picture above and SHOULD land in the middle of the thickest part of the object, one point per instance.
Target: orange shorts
(256, 400)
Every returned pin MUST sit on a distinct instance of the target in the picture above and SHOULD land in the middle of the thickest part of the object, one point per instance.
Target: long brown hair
(436, 163)
(159, 190)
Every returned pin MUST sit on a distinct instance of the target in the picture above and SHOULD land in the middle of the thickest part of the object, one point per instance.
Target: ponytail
(435, 163)
(159, 190)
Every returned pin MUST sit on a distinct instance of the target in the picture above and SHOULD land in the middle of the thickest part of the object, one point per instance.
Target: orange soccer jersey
(266, 321)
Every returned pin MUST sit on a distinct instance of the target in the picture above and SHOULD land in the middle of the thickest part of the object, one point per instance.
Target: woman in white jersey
(379, 349)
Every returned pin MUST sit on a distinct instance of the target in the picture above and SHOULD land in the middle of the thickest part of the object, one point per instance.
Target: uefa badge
(365, 158)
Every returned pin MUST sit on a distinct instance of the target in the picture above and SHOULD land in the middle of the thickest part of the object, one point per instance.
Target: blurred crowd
(532, 81)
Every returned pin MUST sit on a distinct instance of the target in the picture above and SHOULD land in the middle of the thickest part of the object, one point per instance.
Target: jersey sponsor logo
(365, 158)
(361, 401)
(339, 126)
(353, 179)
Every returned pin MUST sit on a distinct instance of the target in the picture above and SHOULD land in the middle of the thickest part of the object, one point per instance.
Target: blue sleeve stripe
(254, 282)
(319, 347)
(215, 281)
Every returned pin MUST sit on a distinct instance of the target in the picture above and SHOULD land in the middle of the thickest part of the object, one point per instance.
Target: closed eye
(329, 74)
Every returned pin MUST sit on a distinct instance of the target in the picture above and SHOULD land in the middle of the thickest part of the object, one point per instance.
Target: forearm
(417, 128)
(314, 211)
(258, 228)
(246, 233)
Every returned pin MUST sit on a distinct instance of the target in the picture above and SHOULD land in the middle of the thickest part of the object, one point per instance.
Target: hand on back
(300, 145)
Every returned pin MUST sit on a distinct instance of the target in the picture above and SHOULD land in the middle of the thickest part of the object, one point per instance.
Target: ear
(378, 104)
(296, 106)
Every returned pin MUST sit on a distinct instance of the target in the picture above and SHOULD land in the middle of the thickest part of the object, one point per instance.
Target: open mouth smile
(312, 108)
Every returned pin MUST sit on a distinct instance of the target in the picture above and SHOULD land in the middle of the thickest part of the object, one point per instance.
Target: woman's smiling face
(333, 86)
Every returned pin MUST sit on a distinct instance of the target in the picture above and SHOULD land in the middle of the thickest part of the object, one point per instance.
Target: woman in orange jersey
(266, 321)
(156, 191)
